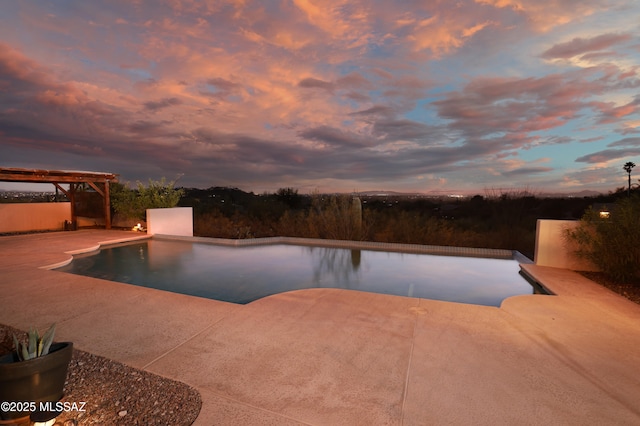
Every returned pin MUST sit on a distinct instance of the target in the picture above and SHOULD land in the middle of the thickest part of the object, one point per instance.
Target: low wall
(553, 249)
(25, 217)
(173, 221)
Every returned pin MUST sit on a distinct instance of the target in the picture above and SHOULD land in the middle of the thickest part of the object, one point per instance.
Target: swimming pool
(244, 274)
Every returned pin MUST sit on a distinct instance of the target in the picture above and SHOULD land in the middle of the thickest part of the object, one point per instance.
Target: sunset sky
(453, 96)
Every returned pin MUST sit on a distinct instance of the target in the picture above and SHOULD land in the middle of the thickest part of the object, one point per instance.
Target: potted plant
(35, 373)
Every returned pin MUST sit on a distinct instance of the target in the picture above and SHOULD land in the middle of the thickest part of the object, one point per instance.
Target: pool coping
(359, 245)
(93, 248)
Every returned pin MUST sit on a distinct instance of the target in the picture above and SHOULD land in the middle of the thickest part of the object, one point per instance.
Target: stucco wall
(174, 221)
(553, 249)
(24, 217)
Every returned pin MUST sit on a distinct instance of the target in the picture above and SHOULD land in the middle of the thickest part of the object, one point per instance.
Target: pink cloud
(69, 97)
(16, 66)
(344, 20)
(443, 32)
(609, 113)
(545, 15)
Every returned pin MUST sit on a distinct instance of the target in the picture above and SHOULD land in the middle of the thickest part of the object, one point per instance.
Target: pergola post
(107, 206)
(72, 200)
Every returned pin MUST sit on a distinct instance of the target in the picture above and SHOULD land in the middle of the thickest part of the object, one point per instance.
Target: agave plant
(35, 346)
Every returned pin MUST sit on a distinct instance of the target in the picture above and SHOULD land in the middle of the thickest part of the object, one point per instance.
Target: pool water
(244, 274)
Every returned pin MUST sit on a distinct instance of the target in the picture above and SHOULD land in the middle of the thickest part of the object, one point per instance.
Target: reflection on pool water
(244, 274)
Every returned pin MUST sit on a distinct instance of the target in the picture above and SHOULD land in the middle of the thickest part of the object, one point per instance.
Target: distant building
(604, 209)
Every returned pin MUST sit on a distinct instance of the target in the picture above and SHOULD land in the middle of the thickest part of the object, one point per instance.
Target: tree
(289, 197)
(627, 168)
(133, 203)
(611, 243)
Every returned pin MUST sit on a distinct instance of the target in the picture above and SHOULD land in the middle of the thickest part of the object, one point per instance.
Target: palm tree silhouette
(627, 168)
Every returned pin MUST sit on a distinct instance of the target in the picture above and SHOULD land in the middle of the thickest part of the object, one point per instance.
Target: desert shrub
(133, 203)
(294, 224)
(337, 217)
(410, 228)
(215, 224)
(611, 243)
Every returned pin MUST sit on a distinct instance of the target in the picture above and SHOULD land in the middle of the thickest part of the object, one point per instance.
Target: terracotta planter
(36, 380)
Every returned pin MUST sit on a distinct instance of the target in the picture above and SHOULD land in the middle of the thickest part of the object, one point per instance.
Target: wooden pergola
(97, 180)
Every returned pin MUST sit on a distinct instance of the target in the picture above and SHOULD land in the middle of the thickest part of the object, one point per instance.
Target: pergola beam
(64, 191)
(54, 176)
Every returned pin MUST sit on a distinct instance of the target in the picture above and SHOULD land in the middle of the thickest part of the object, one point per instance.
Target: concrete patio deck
(338, 357)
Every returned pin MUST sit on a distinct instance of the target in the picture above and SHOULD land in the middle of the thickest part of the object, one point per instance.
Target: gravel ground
(116, 394)
(629, 290)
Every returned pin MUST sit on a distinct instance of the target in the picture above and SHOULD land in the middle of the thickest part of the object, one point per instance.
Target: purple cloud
(608, 155)
(162, 103)
(580, 46)
(314, 83)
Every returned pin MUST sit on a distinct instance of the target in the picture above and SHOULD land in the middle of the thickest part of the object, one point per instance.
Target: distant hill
(238, 195)
(580, 194)
(462, 194)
